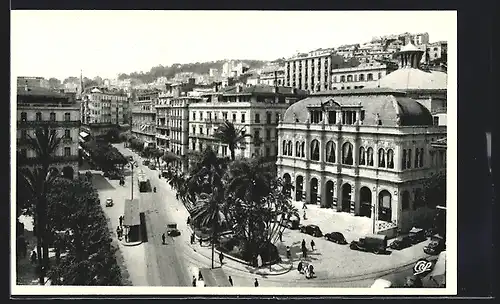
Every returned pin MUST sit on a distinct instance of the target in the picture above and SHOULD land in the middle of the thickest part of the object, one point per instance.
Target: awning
(84, 134)
(215, 277)
(438, 273)
(131, 217)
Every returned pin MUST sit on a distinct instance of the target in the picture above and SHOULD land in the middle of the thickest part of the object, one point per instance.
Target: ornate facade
(365, 152)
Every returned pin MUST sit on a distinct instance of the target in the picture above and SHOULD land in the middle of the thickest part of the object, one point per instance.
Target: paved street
(174, 264)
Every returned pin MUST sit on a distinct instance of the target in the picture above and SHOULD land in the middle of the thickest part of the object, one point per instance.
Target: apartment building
(360, 76)
(103, 110)
(33, 82)
(144, 117)
(272, 75)
(364, 152)
(312, 71)
(255, 109)
(40, 107)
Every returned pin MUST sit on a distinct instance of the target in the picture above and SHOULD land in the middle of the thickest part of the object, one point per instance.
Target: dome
(413, 79)
(95, 90)
(377, 104)
(410, 48)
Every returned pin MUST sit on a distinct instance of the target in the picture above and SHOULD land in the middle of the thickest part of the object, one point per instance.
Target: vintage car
(375, 243)
(417, 235)
(311, 230)
(401, 242)
(172, 230)
(109, 202)
(435, 246)
(292, 223)
(336, 237)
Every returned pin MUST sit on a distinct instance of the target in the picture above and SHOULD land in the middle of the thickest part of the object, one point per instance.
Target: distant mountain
(198, 67)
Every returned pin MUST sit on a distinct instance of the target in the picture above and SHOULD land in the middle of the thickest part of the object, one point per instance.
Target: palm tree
(228, 134)
(44, 144)
(207, 177)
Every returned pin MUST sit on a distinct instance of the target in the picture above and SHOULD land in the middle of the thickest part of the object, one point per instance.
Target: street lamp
(132, 164)
(374, 215)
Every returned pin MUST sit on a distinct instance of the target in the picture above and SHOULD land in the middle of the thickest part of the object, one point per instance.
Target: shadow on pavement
(101, 183)
(144, 230)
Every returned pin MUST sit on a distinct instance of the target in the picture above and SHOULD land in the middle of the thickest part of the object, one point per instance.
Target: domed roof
(380, 104)
(412, 79)
(95, 90)
(410, 48)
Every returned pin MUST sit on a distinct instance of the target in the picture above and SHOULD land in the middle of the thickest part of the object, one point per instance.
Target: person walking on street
(304, 206)
(288, 253)
(192, 238)
(304, 216)
(201, 241)
(221, 257)
(256, 283)
(33, 257)
(312, 245)
(303, 244)
(163, 239)
(121, 220)
(280, 235)
(194, 281)
(230, 281)
(200, 277)
(118, 232)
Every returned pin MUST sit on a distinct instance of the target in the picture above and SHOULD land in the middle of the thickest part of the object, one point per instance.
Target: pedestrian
(304, 216)
(256, 283)
(230, 281)
(118, 232)
(201, 241)
(304, 206)
(194, 281)
(288, 253)
(120, 219)
(280, 234)
(163, 238)
(221, 257)
(200, 277)
(312, 245)
(192, 238)
(33, 257)
(303, 244)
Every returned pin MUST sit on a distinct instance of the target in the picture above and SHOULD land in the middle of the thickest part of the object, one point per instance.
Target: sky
(104, 43)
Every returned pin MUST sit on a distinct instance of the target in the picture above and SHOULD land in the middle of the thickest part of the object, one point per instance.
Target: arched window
(347, 158)
(297, 149)
(381, 158)
(361, 77)
(405, 205)
(390, 159)
(342, 78)
(289, 148)
(314, 149)
(408, 163)
(421, 160)
(362, 152)
(52, 116)
(369, 77)
(419, 202)
(417, 158)
(284, 148)
(369, 156)
(349, 78)
(403, 159)
(67, 116)
(24, 116)
(330, 152)
(38, 116)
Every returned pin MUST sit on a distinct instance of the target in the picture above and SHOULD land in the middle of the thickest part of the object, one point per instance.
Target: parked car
(375, 243)
(311, 230)
(291, 223)
(172, 230)
(145, 162)
(435, 246)
(401, 242)
(381, 284)
(336, 237)
(417, 235)
(109, 202)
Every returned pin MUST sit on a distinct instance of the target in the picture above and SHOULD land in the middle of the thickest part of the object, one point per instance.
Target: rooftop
(413, 79)
(39, 91)
(387, 105)
(263, 89)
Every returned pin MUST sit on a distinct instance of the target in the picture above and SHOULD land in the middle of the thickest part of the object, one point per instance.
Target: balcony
(50, 124)
(21, 160)
(214, 121)
(202, 136)
(161, 136)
